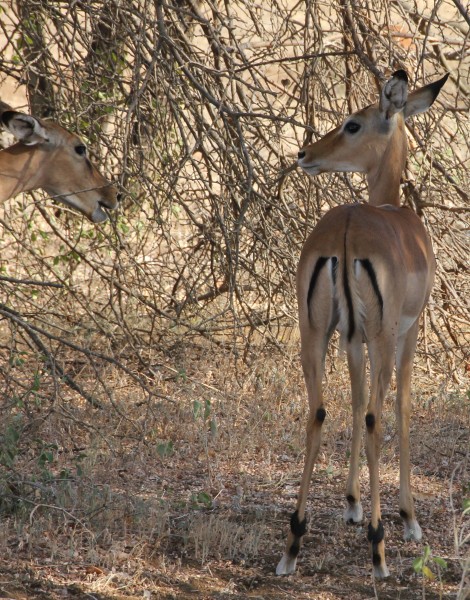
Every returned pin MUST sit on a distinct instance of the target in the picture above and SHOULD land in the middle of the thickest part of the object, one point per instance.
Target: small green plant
(9, 441)
(329, 471)
(165, 449)
(46, 458)
(202, 410)
(422, 564)
(201, 500)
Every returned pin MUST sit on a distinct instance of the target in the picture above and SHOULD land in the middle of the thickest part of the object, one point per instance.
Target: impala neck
(384, 178)
(19, 171)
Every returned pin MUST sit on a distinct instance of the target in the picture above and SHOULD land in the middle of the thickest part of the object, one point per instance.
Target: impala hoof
(353, 513)
(413, 531)
(381, 571)
(286, 565)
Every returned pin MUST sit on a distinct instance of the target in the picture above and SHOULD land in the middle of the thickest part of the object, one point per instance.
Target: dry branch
(199, 109)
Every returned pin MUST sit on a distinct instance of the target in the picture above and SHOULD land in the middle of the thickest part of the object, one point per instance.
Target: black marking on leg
(376, 559)
(297, 527)
(375, 536)
(351, 501)
(313, 281)
(347, 289)
(334, 269)
(370, 422)
(403, 514)
(295, 548)
(321, 415)
(365, 262)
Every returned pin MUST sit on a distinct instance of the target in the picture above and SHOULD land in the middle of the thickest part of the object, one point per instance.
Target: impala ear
(420, 100)
(4, 106)
(26, 129)
(394, 94)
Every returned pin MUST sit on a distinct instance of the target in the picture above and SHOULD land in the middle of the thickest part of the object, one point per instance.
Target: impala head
(373, 136)
(55, 160)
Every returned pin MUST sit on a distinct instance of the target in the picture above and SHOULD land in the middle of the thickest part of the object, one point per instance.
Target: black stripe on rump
(365, 262)
(347, 290)
(313, 281)
(334, 269)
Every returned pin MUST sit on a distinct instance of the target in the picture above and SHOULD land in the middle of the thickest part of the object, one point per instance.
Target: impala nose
(301, 154)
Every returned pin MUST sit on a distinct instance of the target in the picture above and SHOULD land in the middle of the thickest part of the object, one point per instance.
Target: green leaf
(36, 383)
(197, 408)
(207, 409)
(213, 427)
(204, 498)
(440, 561)
(418, 564)
(426, 553)
(428, 573)
(165, 449)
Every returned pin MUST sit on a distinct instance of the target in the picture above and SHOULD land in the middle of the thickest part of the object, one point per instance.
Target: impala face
(355, 146)
(366, 270)
(55, 160)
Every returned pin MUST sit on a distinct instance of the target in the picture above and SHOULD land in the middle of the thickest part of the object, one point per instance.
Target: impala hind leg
(381, 353)
(405, 355)
(313, 366)
(356, 363)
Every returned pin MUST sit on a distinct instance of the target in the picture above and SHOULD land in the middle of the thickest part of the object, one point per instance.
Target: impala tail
(360, 299)
(344, 292)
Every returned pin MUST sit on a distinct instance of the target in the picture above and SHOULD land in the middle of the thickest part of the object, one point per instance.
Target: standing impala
(367, 271)
(49, 157)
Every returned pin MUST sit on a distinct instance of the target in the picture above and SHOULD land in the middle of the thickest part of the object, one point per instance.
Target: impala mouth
(101, 205)
(302, 161)
(311, 169)
(99, 215)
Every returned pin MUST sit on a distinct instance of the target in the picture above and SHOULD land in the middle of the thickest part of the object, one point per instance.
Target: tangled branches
(198, 110)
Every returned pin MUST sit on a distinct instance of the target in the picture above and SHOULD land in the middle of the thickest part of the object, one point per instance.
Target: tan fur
(391, 242)
(52, 163)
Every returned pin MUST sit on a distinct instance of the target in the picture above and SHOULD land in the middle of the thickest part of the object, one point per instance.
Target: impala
(49, 157)
(366, 270)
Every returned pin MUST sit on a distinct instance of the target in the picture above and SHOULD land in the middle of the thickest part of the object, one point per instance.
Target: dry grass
(191, 495)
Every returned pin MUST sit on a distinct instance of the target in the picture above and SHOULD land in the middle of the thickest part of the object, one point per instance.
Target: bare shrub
(199, 111)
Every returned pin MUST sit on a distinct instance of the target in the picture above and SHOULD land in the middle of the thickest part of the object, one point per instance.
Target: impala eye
(352, 127)
(80, 150)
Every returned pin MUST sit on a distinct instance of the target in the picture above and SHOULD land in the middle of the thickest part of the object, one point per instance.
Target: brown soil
(205, 516)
